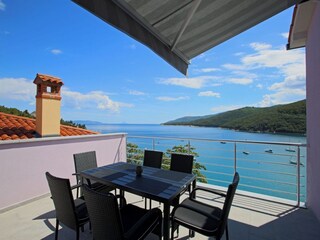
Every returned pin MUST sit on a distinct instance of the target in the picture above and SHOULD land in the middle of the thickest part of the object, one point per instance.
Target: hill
(288, 118)
(187, 119)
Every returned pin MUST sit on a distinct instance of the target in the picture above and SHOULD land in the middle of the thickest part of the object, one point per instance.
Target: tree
(135, 156)
(187, 149)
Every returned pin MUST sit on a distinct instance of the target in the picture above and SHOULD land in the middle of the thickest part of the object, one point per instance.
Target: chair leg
(78, 233)
(150, 204)
(227, 233)
(57, 230)
(172, 229)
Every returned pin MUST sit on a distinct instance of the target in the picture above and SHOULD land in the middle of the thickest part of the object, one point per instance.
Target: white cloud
(273, 58)
(239, 54)
(225, 108)
(208, 70)
(136, 93)
(209, 94)
(260, 46)
(287, 66)
(282, 97)
(22, 89)
(170, 99)
(56, 51)
(94, 99)
(17, 89)
(290, 66)
(231, 66)
(260, 86)
(2, 5)
(196, 82)
(240, 81)
(285, 35)
(244, 74)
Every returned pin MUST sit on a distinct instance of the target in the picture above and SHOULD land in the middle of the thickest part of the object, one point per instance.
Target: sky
(111, 78)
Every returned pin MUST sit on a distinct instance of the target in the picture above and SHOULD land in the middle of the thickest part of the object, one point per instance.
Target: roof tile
(14, 127)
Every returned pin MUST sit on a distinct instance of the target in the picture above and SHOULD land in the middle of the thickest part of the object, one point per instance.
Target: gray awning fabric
(179, 30)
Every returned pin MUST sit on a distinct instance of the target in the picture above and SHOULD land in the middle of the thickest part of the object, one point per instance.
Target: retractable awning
(179, 30)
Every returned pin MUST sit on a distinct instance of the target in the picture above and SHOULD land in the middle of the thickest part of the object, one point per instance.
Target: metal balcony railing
(276, 169)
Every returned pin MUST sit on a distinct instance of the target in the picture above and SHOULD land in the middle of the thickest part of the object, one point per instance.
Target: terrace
(27, 212)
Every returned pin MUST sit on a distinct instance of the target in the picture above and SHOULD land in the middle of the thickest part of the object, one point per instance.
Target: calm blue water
(259, 170)
(192, 132)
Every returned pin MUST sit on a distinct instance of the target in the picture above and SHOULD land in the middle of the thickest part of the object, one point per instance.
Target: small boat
(223, 142)
(290, 150)
(245, 152)
(269, 151)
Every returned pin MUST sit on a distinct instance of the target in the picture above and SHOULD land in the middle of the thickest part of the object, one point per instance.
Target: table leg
(121, 201)
(166, 221)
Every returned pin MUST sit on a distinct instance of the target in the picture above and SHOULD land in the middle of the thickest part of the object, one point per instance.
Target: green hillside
(289, 118)
(186, 119)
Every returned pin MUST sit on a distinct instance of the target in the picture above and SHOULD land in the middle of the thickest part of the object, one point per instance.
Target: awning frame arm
(125, 6)
(192, 11)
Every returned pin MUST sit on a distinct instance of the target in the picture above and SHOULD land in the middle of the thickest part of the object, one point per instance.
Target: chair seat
(133, 219)
(204, 218)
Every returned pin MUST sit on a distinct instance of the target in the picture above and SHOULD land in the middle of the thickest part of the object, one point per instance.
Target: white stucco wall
(313, 112)
(23, 163)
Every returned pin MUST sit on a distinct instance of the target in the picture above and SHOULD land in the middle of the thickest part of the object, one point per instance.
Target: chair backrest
(63, 200)
(104, 214)
(181, 163)
(84, 161)
(152, 158)
(227, 204)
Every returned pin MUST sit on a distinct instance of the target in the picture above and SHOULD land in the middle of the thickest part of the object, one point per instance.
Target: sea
(269, 169)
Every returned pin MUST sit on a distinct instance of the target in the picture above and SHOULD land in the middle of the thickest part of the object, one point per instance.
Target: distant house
(47, 122)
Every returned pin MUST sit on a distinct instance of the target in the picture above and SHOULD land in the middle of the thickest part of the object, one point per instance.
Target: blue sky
(111, 78)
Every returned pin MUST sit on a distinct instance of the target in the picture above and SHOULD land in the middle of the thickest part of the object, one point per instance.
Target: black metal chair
(181, 163)
(204, 218)
(72, 213)
(153, 159)
(84, 161)
(111, 222)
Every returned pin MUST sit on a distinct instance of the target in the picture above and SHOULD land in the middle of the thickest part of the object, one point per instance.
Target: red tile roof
(14, 127)
(47, 78)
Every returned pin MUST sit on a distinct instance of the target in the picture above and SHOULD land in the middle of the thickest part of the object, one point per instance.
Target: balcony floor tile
(250, 218)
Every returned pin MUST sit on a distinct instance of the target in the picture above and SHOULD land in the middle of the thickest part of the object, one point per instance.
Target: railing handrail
(222, 140)
(292, 145)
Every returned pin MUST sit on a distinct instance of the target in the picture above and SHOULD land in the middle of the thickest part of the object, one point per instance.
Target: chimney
(48, 105)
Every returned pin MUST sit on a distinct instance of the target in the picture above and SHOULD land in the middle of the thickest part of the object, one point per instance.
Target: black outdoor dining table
(154, 183)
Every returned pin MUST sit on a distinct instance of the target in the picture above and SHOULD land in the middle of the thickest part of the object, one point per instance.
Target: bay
(264, 168)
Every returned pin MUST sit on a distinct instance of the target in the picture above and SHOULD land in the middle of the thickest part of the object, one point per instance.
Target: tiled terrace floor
(250, 218)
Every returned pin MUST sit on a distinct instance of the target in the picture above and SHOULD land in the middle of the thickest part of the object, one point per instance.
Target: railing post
(235, 157)
(298, 176)
(189, 147)
(153, 144)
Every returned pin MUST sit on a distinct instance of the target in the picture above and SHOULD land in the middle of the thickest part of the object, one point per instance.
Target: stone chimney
(48, 101)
